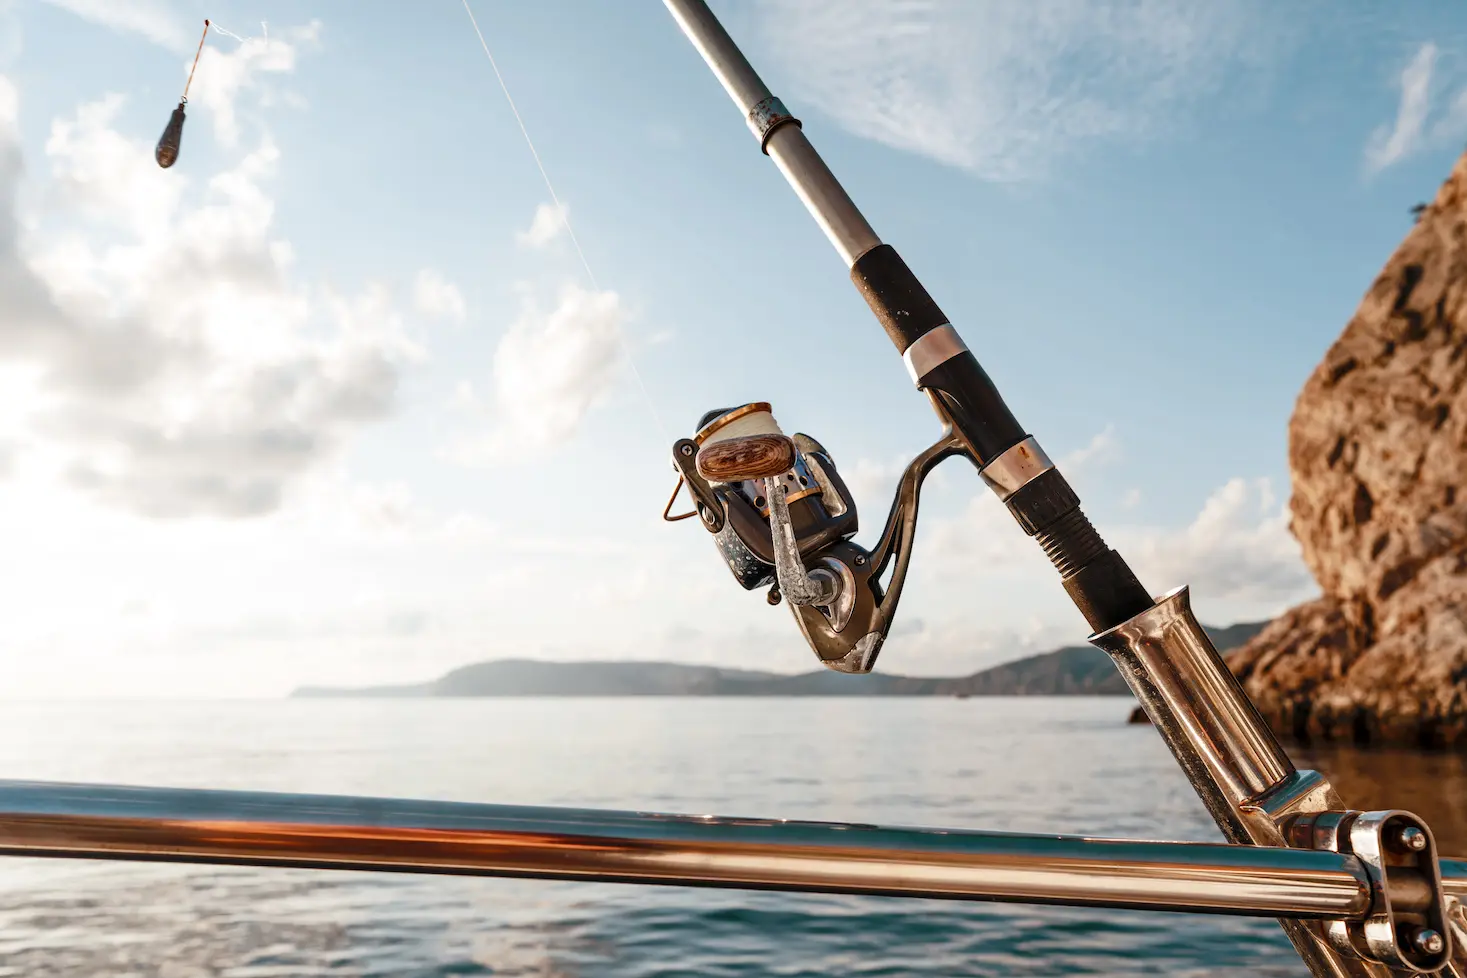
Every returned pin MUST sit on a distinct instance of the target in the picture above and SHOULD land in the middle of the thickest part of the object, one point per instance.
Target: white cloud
(350, 583)
(973, 575)
(871, 481)
(1003, 89)
(1237, 552)
(1410, 133)
(159, 354)
(633, 586)
(1453, 123)
(465, 398)
(1393, 143)
(957, 646)
(873, 485)
(158, 21)
(1099, 451)
(547, 225)
(550, 370)
(99, 176)
(437, 297)
(224, 74)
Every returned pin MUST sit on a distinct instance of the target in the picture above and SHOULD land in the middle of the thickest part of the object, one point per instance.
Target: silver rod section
(343, 832)
(778, 132)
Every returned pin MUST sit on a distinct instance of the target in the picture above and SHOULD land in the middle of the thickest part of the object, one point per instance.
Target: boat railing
(242, 828)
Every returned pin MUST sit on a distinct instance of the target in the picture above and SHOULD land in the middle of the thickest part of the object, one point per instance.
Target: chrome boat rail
(467, 839)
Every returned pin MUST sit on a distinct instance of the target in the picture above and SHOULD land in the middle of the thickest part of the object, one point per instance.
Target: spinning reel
(782, 517)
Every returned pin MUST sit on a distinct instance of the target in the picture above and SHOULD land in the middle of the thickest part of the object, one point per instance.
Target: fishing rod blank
(169, 143)
(1010, 460)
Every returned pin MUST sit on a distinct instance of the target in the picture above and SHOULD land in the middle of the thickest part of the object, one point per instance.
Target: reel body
(782, 518)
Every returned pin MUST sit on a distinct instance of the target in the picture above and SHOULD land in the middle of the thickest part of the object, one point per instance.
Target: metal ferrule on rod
(778, 132)
(343, 832)
(931, 350)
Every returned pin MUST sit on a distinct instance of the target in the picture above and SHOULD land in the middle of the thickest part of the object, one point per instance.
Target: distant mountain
(1077, 671)
(1229, 638)
(527, 677)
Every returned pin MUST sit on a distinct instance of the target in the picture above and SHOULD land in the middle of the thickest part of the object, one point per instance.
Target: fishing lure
(168, 145)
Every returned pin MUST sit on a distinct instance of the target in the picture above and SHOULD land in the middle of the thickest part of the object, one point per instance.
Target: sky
(334, 399)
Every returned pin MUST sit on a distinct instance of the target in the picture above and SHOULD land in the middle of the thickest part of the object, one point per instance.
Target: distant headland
(1075, 671)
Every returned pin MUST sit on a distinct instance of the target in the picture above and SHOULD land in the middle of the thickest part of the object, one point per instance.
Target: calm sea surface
(1050, 765)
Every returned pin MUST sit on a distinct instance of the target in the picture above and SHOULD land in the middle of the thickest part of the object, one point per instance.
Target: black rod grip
(900, 302)
(907, 313)
(977, 410)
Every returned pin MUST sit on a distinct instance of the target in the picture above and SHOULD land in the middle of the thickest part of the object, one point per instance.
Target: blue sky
(332, 400)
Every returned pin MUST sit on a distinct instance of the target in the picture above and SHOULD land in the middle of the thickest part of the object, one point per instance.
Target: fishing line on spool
(565, 218)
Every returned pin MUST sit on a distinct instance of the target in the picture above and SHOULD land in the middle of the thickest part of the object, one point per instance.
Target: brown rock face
(1378, 455)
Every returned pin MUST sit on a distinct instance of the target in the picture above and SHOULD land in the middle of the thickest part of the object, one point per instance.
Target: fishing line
(243, 40)
(564, 217)
(203, 37)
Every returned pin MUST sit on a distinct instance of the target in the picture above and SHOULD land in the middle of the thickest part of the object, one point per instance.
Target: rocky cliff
(1378, 456)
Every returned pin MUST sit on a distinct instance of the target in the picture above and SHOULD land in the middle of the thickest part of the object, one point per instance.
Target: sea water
(1063, 765)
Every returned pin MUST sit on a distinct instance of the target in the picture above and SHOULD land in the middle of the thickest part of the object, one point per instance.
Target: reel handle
(801, 588)
(751, 457)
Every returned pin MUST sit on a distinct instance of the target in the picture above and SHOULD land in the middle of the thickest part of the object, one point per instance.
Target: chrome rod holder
(1253, 791)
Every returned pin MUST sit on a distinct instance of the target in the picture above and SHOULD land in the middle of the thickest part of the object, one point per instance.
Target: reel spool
(782, 517)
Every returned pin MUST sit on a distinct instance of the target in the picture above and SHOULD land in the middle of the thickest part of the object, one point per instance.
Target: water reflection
(1433, 786)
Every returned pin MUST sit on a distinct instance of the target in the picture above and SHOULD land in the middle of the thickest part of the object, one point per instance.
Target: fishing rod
(781, 517)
